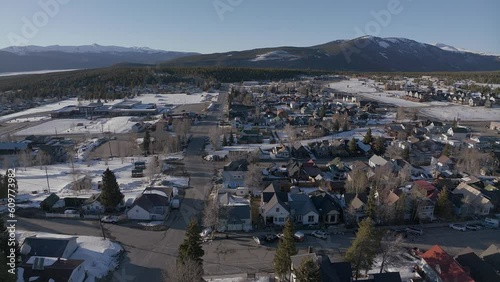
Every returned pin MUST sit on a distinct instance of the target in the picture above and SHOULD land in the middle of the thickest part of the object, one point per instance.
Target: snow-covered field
(29, 119)
(33, 72)
(45, 108)
(100, 255)
(70, 126)
(60, 178)
(439, 110)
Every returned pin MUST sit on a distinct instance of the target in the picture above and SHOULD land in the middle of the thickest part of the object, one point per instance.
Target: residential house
(300, 152)
(149, 206)
(236, 218)
(354, 206)
(444, 163)
(376, 161)
(92, 205)
(329, 211)
(238, 165)
(425, 196)
(473, 202)
(459, 133)
(297, 261)
(281, 152)
(233, 179)
(51, 269)
(438, 265)
(477, 268)
(302, 209)
(49, 247)
(492, 256)
(164, 191)
(48, 202)
(334, 271)
(276, 211)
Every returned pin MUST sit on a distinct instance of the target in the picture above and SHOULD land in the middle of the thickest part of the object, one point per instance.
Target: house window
(277, 209)
(281, 219)
(310, 218)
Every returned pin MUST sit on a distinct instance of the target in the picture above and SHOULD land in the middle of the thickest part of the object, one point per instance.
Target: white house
(375, 161)
(459, 133)
(275, 211)
(238, 218)
(92, 205)
(49, 247)
(149, 206)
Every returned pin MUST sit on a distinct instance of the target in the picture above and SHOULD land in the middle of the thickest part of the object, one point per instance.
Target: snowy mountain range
(55, 57)
(367, 53)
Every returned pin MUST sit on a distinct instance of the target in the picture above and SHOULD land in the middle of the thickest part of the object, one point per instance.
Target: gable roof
(149, 201)
(273, 202)
(324, 203)
(357, 200)
(387, 277)
(59, 270)
(302, 204)
(459, 129)
(478, 269)
(492, 256)
(335, 272)
(472, 196)
(377, 160)
(238, 213)
(47, 247)
(449, 269)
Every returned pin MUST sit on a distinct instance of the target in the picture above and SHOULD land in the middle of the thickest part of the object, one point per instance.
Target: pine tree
(322, 112)
(364, 248)
(191, 249)
(368, 137)
(336, 125)
(308, 271)
(444, 207)
(110, 191)
(231, 139)
(224, 140)
(379, 145)
(352, 146)
(286, 249)
(371, 205)
(345, 126)
(146, 142)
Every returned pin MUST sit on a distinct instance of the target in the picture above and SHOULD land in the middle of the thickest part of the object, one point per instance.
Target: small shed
(47, 204)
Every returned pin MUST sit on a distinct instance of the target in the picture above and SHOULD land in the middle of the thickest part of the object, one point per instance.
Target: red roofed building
(438, 265)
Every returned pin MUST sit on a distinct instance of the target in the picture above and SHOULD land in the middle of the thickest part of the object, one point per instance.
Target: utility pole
(47, 175)
(102, 228)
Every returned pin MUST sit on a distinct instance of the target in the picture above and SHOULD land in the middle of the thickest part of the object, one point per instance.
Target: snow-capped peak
(94, 48)
(461, 50)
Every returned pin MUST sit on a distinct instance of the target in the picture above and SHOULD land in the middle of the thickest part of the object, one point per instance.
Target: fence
(77, 216)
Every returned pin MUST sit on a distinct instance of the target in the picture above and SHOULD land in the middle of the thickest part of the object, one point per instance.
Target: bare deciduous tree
(253, 177)
(214, 136)
(357, 182)
(291, 133)
(471, 160)
(188, 271)
(394, 152)
(390, 251)
(181, 127)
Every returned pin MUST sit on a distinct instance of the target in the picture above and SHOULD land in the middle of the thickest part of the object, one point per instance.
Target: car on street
(319, 234)
(258, 239)
(207, 231)
(270, 237)
(110, 219)
(298, 236)
(414, 231)
(458, 227)
(473, 227)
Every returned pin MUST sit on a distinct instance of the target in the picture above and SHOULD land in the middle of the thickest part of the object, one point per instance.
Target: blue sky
(197, 25)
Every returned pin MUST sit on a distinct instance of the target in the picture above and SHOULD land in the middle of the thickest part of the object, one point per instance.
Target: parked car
(206, 232)
(71, 211)
(270, 237)
(473, 227)
(319, 234)
(110, 219)
(458, 227)
(258, 239)
(298, 236)
(414, 230)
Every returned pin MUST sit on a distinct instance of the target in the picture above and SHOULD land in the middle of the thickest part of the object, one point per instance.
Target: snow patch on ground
(29, 119)
(45, 108)
(152, 223)
(383, 44)
(275, 55)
